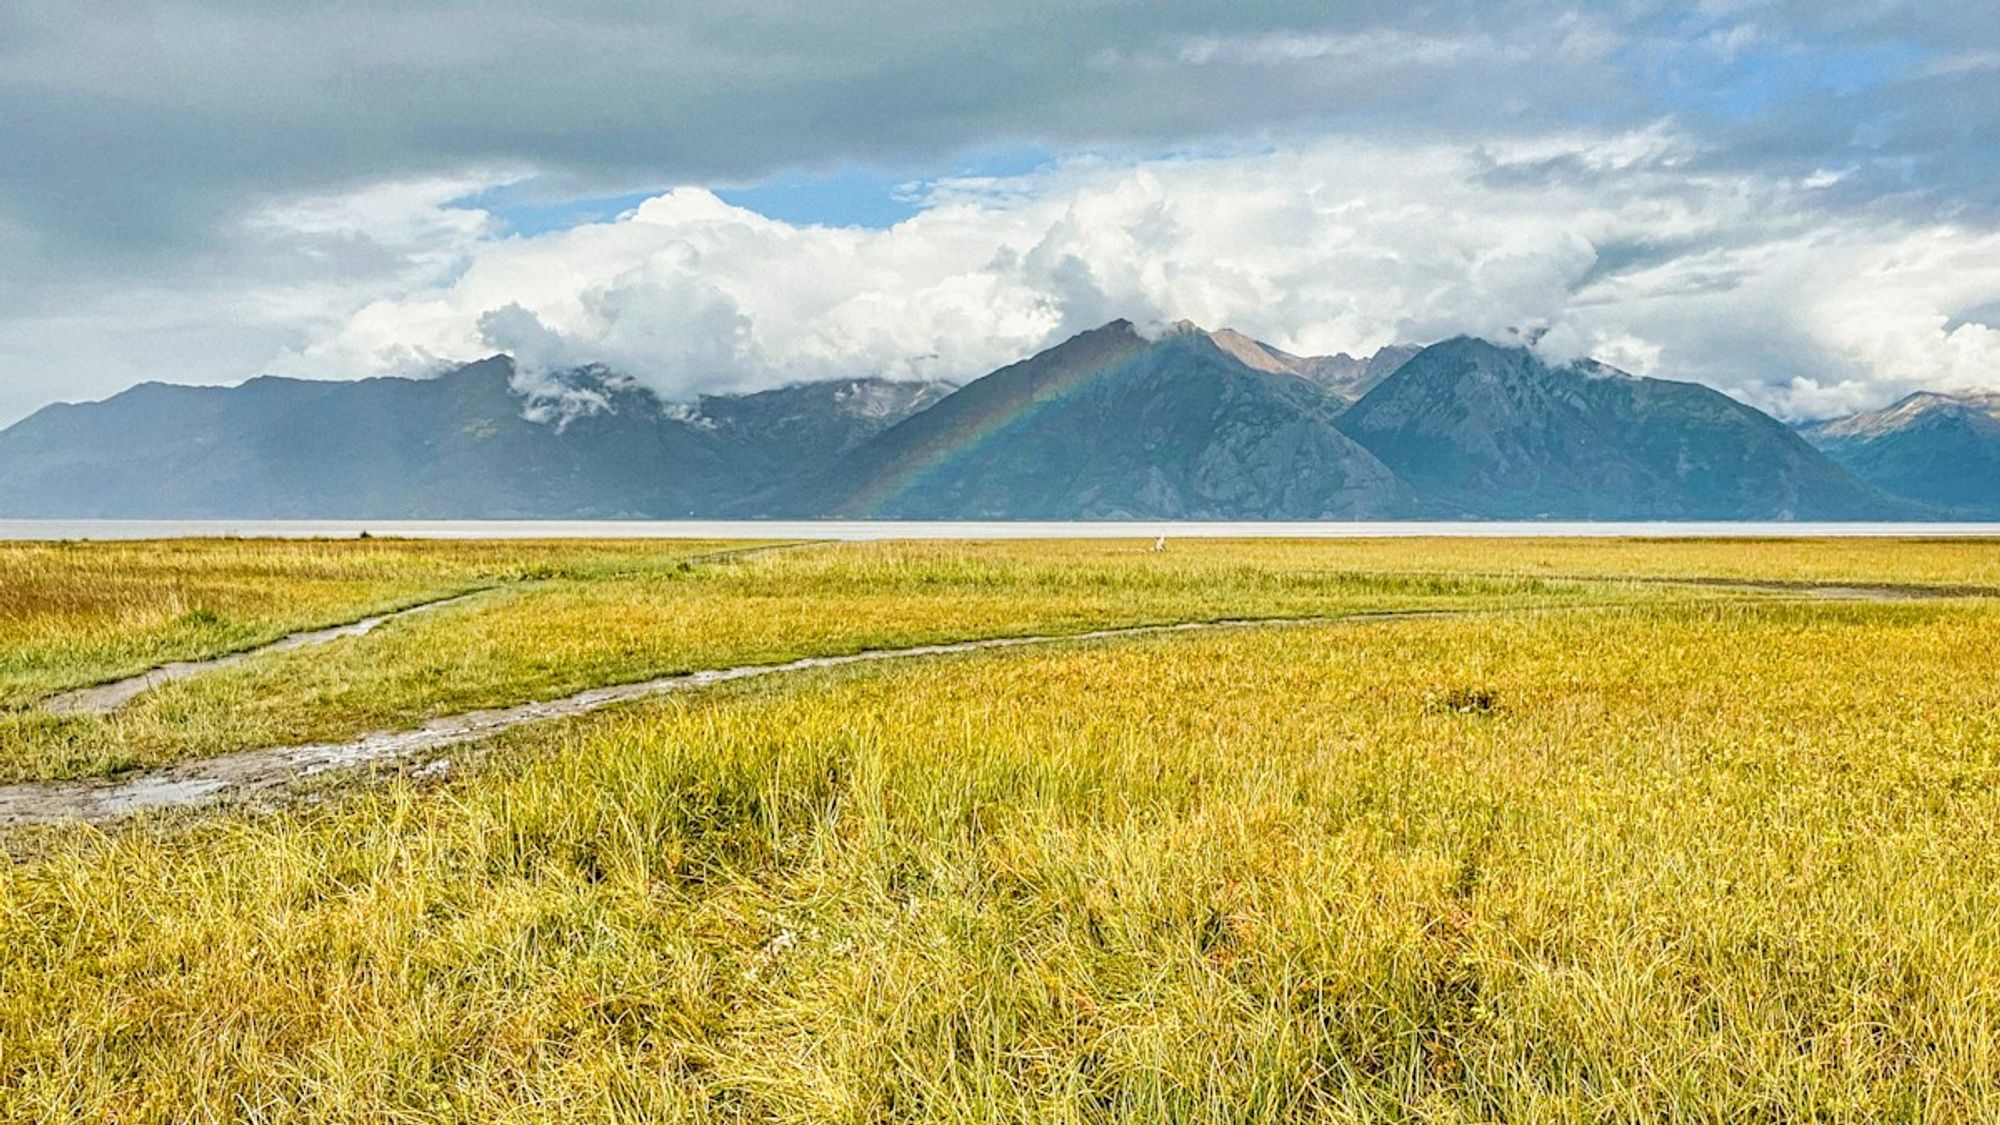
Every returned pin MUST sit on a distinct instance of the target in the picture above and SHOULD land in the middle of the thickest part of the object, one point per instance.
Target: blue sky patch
(523, 213)
(852, 196)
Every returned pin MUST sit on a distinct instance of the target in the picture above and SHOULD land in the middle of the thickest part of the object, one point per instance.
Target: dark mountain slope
(1494, 431)
(1941, 449)
(1111, 425)
(801, 429)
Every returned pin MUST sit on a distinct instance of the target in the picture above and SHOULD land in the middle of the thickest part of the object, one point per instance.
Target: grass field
(1591, 849)
(602, 624)
(77, 613)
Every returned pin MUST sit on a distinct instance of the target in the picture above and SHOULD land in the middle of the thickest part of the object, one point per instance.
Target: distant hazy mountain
(1111, 424)
(1343, 374)
(800, 429)
(464, 444)
(1942, 449)
(1494, 431)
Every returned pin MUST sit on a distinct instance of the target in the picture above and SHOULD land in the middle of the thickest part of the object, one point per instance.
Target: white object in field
(1160, 544)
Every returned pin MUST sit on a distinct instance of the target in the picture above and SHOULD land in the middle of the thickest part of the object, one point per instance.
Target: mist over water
(862, 530)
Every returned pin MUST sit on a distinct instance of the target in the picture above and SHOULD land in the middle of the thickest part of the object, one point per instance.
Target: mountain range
(464, 444)
(1942, 450)
(1114, 423)
(1111, 425)
(1492, 431)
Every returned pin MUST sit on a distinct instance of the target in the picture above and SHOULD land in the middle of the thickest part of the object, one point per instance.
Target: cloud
(1901, 309)
(132, 138)
(219, 188)
(1378, 51)
(1604, 243)
(284, 274)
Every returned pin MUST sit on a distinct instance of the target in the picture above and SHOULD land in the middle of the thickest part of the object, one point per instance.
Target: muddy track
(1832, 591)
(1795, 587)
(250, 772)
(104, 698)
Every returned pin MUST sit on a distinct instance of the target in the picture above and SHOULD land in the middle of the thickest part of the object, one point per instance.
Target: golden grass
(559, 635)
(1677, 859)
(1950, 563)
(78, 613)
(587, 614)
(1693, 862)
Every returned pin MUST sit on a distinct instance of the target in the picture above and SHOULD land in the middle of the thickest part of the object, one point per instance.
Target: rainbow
(1013, 400)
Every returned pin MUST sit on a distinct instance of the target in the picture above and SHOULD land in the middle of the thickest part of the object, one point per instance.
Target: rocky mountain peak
(1920, 408)
(1937, 447)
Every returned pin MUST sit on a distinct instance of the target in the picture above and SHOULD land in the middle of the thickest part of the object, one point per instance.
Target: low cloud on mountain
(1608, 246)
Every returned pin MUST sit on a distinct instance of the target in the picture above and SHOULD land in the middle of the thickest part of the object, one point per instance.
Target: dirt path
(253, 771)
(104, 698)
(250, 772)
(1822, 591)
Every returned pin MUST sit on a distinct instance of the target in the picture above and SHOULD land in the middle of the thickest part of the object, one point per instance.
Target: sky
(1796, 201)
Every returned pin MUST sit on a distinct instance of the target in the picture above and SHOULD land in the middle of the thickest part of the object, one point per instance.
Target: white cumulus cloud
(1603, 243)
